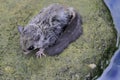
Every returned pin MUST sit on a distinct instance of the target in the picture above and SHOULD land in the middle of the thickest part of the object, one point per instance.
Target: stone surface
(98, 38)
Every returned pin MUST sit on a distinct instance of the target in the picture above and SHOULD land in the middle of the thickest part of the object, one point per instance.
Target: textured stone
(98, 38)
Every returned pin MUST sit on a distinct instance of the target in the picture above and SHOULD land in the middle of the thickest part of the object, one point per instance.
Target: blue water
(114, 7)
(112, 72)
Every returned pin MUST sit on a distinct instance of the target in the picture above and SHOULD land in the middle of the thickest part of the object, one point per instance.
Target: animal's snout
(25, 52)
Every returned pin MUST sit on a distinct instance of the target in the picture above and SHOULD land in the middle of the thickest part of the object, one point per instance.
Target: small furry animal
(45, 29)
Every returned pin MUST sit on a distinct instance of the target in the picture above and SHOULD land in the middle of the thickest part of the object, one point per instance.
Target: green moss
(72, 64)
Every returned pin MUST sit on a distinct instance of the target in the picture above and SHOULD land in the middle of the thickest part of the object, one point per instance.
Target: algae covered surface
(72, 64)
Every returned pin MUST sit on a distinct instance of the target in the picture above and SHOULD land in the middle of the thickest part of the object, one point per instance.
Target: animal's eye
(31, 48)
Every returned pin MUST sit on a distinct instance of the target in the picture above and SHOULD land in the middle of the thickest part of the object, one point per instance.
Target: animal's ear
(72, 13)
(20, 29)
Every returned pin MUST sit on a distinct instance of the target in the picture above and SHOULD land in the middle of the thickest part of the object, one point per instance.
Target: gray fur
(44, 29)
(71, 33)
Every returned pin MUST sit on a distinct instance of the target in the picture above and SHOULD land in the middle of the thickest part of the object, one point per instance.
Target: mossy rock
(72, 64)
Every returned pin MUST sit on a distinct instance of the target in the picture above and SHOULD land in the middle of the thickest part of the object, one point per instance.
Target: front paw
(40, 53)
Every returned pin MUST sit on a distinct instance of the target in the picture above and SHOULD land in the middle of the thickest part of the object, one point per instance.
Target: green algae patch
(72, 64)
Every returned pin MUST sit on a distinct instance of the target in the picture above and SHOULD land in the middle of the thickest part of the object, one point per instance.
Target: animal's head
(29, 38)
